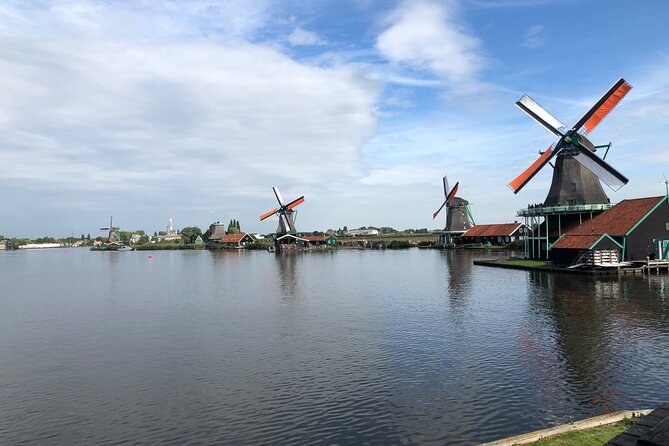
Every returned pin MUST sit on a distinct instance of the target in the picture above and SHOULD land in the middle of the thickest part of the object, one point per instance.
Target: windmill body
(458, 216)
(285, 212)
(576, 192)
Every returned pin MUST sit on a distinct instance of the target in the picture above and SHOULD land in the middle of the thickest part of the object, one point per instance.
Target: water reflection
(288, 280)
(578, 332)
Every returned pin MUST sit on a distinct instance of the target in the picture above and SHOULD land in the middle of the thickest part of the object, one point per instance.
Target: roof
(618, 220)
(495, 230)
(316, 238)
(234, 238)
(576, 241)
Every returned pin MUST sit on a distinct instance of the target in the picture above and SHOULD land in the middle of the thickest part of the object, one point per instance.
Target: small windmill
(285, 212)
(666, 185)
(458, 215)
(577, 169)
(112, 237)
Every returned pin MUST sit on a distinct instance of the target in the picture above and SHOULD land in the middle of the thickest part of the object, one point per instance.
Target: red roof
(618, 220)
(576, 241)
(233, 238)
(313, 238)
(498, 230)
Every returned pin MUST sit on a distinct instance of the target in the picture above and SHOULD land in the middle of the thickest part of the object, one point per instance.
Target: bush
(399, 244)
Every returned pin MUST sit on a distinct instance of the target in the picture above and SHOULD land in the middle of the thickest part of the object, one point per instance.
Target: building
(321, 240)
(498, 234)
(632, 230)
(239, 240)
(5, 244)
(307, 241)
(217, 231)
(362, 232)
(171, 233)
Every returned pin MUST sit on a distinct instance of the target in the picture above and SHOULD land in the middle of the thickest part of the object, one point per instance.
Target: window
(667, 226)
(573, 187)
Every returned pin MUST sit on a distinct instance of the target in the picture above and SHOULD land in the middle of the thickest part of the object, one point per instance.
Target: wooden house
(239, 240)
(495, 234)
(631, 230)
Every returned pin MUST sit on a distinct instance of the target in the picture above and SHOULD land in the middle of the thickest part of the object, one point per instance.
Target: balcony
(539, 211)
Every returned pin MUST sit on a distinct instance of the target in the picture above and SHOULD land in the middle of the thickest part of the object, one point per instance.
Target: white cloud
(533, 37)
(300, 37)
(199, 121)
(423, 35)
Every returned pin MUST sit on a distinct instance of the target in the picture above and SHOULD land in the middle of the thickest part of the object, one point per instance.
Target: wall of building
(639, 243)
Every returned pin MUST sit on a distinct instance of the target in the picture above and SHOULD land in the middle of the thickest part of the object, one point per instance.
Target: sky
(193, 110)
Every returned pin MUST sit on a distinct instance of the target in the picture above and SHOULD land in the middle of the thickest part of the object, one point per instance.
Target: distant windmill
(577, 168)
(285, 212)
(112, 231)
(458, 215)
(666, 185)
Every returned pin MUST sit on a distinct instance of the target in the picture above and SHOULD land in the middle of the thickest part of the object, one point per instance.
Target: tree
(155, 234)
(208, 232)
(88, 237)
(190, 233)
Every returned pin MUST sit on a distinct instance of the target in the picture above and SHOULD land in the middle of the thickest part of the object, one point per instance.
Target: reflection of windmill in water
(458, 216)
(576, 193)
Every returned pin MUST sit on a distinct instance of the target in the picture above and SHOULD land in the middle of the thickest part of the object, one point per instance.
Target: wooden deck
(651, 430)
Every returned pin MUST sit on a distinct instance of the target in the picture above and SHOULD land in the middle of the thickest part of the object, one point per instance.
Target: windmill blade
(451, 195)
(434, 215)
(604, 106)
(295, 203)
(446, 189)
(268, 214)
(104, 229)
(279, 198)
(521, 180)
(610, 176)
(539, 114)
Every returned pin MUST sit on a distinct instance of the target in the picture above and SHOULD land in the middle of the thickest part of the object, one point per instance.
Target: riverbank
(593, 431)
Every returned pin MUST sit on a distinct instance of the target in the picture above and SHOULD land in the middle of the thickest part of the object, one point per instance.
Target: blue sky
(194, 110)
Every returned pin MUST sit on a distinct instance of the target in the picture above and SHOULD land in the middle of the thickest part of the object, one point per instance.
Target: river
(340, 347)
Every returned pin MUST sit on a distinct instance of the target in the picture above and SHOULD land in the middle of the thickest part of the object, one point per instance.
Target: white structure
(171, 233)
(362, 232)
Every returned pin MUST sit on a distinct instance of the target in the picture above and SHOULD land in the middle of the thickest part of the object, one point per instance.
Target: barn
(632, 230)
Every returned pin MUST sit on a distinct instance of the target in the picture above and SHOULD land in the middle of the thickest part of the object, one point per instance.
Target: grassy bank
(595, 436)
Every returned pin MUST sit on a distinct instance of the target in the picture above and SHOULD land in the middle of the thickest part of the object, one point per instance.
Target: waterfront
(375, 347)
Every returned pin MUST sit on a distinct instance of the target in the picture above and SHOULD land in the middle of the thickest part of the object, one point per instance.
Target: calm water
(333, 348)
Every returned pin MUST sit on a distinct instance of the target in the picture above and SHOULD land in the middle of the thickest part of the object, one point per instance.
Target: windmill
(458, 215)
(285, 212)
(577, 169)
(666, 185)
(112, 237)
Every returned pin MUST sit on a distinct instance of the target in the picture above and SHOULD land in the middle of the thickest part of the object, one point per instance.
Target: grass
(595, 436)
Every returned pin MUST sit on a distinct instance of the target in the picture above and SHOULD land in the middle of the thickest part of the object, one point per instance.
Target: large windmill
(577, 169)
(285, 212)
(576, 193)
(112, 236)
(458, 215)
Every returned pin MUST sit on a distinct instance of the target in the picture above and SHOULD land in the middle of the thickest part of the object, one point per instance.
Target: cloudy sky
(149, 109)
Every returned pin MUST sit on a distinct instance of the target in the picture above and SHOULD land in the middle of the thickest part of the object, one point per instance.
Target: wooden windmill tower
(285, 212)
(112, 236)
(458, 215)
(576, 193)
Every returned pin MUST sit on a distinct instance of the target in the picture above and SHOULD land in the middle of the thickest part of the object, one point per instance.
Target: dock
(646, 267)
(650, 430)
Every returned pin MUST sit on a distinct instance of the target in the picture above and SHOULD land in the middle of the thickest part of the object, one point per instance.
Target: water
(346, 347)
